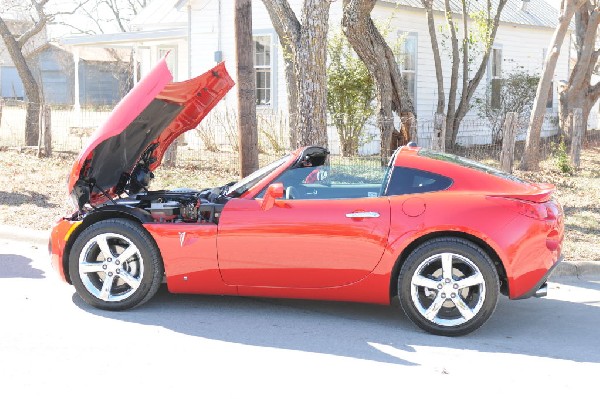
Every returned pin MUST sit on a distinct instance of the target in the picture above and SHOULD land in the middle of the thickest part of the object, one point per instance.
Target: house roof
(125, 38)
(160, 13)
(536, 13)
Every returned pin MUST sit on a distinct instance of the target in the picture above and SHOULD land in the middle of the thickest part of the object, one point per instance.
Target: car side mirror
(274, 191)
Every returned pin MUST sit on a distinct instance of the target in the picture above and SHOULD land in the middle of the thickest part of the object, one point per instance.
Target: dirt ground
(33, 192)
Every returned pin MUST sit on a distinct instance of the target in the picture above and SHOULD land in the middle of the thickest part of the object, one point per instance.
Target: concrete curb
(40, 237)
(577, 268)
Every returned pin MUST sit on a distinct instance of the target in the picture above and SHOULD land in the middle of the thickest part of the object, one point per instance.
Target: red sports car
(443, 233)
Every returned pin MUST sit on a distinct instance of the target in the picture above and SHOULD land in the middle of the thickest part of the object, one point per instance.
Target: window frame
(493, 76)
(413, 35)
(272, 66)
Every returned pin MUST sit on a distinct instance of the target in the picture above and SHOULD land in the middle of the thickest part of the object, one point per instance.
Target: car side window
(413, 181)
(332, 181)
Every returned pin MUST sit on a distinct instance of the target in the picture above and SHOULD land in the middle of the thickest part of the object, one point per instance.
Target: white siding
(521, 45)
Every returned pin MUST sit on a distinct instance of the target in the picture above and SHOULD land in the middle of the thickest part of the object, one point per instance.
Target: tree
(579, 92)
(477, 39)
(530, 159)
(304, 44)
(31, 20)
(373, 50)
(516, 95)
(103, 16)
(16, 44)
(246, 88)
(350, 92)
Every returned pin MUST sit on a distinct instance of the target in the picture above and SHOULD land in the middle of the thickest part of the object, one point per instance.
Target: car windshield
(249, 181)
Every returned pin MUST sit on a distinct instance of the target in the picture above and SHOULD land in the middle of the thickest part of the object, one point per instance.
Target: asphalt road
(52, 343)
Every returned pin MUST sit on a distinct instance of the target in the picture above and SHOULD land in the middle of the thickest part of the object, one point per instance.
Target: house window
(171, 59)
(496, 78)
(407, 62)
(263, 66)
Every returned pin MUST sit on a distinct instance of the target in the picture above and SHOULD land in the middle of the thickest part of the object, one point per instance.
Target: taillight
(548, 210)
(532, 209)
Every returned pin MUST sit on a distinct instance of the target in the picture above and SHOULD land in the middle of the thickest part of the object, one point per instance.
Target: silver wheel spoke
(439, 289)
(435, 307)
(103, 245)
(90, 267)
(447, 266)
(129, 279)
(108, 275)
(470, 281)
(107, 287)
(465, 311)
(128, 253)
(422, 281)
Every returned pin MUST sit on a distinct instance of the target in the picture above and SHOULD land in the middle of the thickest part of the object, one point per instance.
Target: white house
(199, 33)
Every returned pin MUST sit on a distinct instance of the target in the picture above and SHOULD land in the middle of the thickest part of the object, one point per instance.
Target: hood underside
(139, 130)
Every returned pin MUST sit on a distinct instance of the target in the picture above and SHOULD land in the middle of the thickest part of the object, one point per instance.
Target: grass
(33, 191)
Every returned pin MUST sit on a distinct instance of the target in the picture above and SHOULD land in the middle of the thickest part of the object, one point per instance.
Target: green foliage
(516, 94)
(482, 29)
(562, 160)
(350, 92)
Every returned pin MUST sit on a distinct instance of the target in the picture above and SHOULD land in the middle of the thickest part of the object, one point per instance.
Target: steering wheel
(290, 192)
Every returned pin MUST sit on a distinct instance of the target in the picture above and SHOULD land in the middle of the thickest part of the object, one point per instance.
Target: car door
(302, 243)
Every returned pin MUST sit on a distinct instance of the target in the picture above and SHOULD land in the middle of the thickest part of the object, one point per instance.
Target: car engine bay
(178, 205)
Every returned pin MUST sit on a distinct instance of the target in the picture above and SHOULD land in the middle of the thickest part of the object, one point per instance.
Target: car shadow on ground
(28, 197)
(17, 266)
(370, 332)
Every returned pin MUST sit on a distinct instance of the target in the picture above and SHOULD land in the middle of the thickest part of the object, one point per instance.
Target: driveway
(230, 347)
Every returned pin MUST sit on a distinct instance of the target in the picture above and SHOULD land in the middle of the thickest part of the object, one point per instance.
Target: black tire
(451, 303)
(119, 280)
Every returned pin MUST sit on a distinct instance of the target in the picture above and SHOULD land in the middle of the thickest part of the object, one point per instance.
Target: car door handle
(362, 215)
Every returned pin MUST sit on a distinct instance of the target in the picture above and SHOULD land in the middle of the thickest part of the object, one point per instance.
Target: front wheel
(448, 286)
(115, 265)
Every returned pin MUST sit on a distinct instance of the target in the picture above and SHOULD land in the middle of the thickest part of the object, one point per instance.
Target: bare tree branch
(441, 102)
(284, 20)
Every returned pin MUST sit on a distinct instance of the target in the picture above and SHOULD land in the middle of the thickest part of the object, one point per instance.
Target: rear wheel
(115, 265)
(448, 286)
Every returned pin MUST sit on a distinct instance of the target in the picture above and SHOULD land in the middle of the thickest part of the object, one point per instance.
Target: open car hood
(134, 138)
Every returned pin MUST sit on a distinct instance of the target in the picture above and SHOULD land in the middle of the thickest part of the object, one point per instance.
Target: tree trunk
(246, 88)
(579, 92)
(530, 160)
(437, 61)
(578, 132)
(305, 50)
(32, 91)
(374, 51)
(450, 139)
(508, 141)
(311, 68)
(438, 140)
